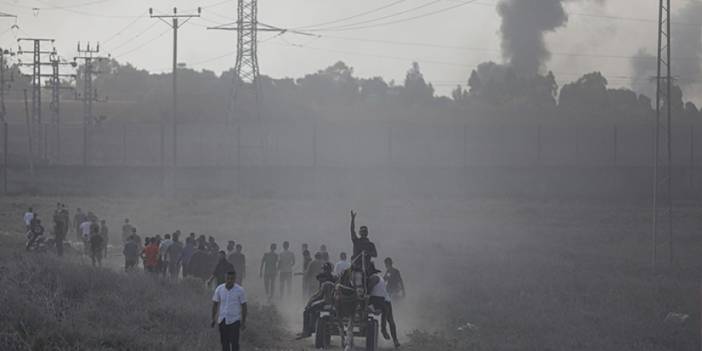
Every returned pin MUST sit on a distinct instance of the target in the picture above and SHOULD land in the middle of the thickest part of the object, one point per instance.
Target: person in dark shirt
(395, 285)
(306, 260)
(324, 253)
(360, 245)
(326, 275)
(96, 248)
(131, 254)
(212, 246)
(36, 230)
(269, 265)
(238, 260)
(220, 272)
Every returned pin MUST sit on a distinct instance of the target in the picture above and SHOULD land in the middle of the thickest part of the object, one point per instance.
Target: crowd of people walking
(174, 257)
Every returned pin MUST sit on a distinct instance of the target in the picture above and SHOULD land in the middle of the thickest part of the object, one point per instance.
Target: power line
(353, 16)
(119, 32)
(379, 18)
(464, 48)
(123, 54)
(62, 7)
(345, 28)
(131, 40)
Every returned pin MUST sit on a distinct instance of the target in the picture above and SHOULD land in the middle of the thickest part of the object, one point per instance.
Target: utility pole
(3, 115)
(662, 158)
(89, 55)
(175, 24)
(37, 53)
(54, 84)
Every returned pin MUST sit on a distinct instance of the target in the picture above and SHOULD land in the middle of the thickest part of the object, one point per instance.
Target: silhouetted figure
(268, 270)
(361, 244)
(238, 260)
(220, 270)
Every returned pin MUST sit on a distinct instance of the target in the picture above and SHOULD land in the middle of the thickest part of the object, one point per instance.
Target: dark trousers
(285, 280)
(229, 335)
(388, 319)
(59, 245)
(310, 315)
(269, 284)
(385, 307)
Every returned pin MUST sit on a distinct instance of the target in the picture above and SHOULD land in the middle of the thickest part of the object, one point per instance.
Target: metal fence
(360, 144)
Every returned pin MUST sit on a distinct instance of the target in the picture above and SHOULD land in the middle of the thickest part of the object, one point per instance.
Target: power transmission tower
(246, 70)
(3, 81)
(89, 56)
(54, 84)
(36, 76)
(175, 24)
(663, 156)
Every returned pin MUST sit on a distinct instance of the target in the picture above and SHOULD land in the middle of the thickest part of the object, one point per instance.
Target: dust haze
(514, 195)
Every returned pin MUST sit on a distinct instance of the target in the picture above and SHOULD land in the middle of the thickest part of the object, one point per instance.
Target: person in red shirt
(150, 256)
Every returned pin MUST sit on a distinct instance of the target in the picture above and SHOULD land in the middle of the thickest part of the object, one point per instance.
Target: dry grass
(528, 275)
(52, 304)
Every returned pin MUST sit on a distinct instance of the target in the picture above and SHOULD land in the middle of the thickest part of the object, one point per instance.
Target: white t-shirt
(28, 216)
(380, 290)
(163, 249)
(230, 302)
(85, 228)
(341, 266)
(286, 261)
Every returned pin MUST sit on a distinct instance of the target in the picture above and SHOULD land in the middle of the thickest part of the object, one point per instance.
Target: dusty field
(481, 274)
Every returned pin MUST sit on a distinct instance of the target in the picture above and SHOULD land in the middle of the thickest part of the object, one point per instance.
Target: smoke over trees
(524, 23)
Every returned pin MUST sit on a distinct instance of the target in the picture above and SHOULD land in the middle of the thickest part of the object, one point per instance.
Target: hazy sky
(446, 44)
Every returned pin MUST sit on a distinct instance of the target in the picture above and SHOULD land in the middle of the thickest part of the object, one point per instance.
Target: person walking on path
(150, 256)
(229, 312)
(97, 247)
(105, 233)
(238, 260)
(268, 270)
(78, 219)
(173, 253)
(286, 261)
(342, 265)
(28, 216)
(220, 271)
(127, 230)
(131, 254)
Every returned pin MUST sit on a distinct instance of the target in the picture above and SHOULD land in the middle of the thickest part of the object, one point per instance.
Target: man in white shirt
(286, 261)
(229, 312)
(85, 231)
(28, 216)
(342, 265)
(380, 300)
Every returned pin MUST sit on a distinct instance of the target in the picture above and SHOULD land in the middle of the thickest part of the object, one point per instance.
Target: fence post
(692, 156)
(45, 138)
(4, 156)
(615, 152)
(577, 146)
(390, 145)
(465, 146)
(538, 144)
(314, 145)
(124, 144)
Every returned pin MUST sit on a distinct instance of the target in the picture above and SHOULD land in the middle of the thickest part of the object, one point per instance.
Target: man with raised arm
(361, 244)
